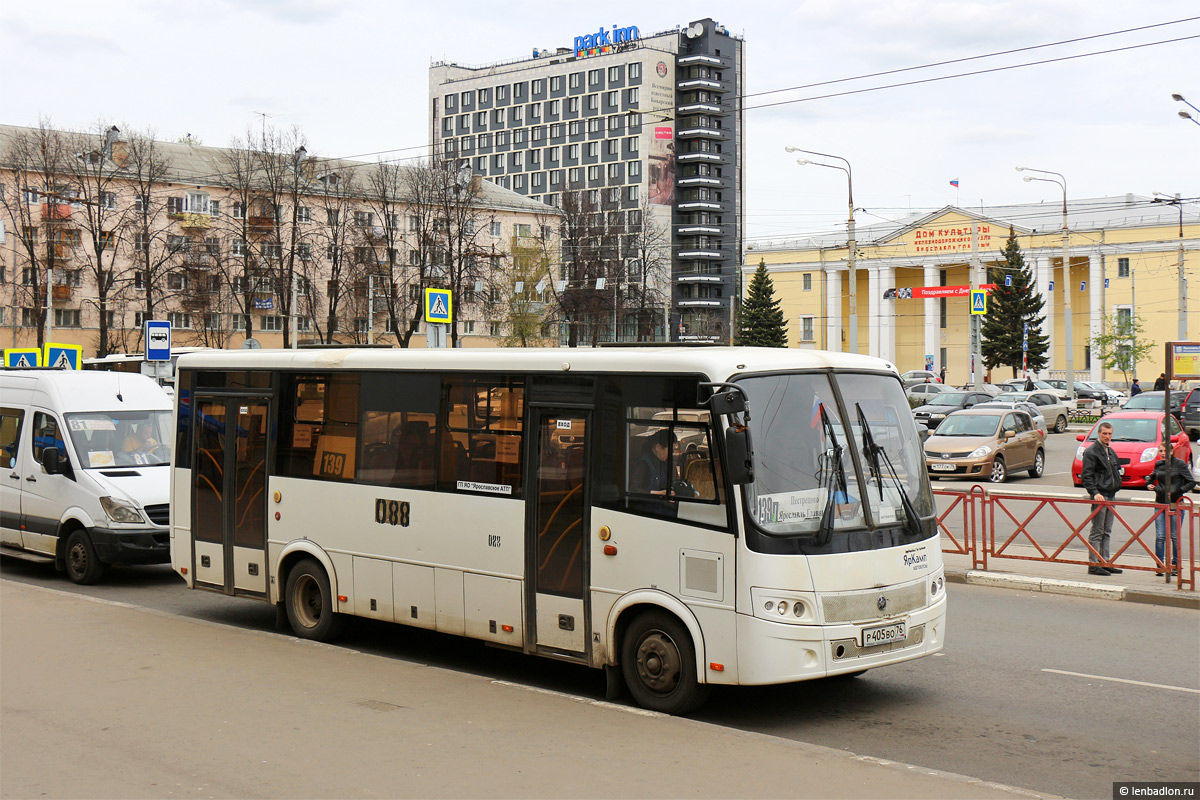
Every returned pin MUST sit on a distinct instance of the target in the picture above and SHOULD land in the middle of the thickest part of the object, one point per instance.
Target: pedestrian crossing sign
(439, 306)
(63, 356)
(22, 357)
(978, 301)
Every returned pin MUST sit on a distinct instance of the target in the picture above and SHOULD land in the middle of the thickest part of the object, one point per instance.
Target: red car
(1136, 437)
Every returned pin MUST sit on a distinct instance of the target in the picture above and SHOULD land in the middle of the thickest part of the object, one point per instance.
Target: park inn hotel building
(643, 121)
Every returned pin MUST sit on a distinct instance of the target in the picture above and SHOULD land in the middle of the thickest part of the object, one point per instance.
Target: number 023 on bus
(679, 517)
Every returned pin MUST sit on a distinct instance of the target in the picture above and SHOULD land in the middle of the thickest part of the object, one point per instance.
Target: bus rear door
(229, 483)
(557, 524)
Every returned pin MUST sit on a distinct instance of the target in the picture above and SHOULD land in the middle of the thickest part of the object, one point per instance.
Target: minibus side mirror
(741, 455)
(51, 461)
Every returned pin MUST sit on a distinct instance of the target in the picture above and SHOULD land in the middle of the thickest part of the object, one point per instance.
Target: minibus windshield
(121, 438)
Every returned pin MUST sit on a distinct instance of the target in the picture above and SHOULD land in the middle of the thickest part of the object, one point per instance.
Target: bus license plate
(943, 468)
(884, 634)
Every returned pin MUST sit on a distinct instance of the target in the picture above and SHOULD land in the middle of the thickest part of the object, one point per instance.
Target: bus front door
(229, 485)
(556, 534)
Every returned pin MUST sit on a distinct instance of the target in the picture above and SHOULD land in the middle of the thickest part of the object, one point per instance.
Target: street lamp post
(1061, 181)
(1159, 197)
(850, 243)
(1183, 114)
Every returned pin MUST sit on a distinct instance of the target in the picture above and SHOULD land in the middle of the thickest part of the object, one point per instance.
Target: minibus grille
(865, 605)
(159, 514)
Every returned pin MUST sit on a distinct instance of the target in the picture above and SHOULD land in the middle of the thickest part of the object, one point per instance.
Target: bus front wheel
(658, 662)
(309, 603)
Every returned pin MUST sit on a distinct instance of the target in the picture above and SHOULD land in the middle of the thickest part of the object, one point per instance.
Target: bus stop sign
(158, 340)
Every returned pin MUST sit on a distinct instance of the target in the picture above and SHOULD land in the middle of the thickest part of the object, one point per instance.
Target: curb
(1097, 591)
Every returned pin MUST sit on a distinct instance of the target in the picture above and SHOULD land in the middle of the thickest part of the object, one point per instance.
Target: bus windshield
(806, 456)
(121, 438)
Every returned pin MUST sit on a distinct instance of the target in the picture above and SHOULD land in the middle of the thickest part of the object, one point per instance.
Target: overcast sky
(353, 75)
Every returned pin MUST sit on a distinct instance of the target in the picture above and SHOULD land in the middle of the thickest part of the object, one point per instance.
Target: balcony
(699, 303)
(697, 278)
(260, 225)
(686, 61)
(700, 254)
(701, 108)
(695, 230)
(700, 130)
(711, 158)
(691, 84)
(698, 205)
(193, 221)
(56, 212)
(61, 292)
(698, 180)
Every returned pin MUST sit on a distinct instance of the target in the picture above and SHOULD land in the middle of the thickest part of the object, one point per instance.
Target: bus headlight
(778, 605)
(120, 510)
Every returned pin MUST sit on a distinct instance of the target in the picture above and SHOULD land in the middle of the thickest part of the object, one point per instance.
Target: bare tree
(647, 257)
(39, 206)
(333, 251)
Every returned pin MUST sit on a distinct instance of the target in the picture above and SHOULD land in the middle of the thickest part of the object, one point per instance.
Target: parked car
(1067, 397)
(1085, 391)
(1153, 401)
(1115, 396)
(939, 407)
(1052, 407)
(985, 442)
(1039, 421)
(920, 393)
(914, 376)
(1136, 436)
(1191, 414)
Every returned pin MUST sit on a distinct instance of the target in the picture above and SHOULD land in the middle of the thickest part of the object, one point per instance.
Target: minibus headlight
(120, 510)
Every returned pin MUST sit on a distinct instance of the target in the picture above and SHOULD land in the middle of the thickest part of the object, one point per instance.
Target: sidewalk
(101, 699)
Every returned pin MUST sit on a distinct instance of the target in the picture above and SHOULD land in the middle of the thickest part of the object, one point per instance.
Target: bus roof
(716, 362)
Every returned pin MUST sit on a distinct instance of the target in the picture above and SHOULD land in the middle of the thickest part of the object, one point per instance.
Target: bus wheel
(309, 603)
(83, 565)
(659, 664)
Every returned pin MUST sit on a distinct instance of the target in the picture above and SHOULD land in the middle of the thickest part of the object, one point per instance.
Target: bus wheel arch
(659, 651)
(310, 602)
(295, 552)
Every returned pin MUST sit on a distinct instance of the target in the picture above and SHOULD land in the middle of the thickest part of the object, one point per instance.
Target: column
(887, 316)
(833, 310)
(873, 310)
(931, 317)
(1044, 271)
(1095, 309)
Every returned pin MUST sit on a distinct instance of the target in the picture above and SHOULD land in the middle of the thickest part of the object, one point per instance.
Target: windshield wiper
(873, 453)
(837, 485)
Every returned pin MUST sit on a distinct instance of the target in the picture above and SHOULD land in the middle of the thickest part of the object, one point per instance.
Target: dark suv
(942, 405)
(1191, 414)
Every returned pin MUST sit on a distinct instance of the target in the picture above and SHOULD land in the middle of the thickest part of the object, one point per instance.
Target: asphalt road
(1050, 693)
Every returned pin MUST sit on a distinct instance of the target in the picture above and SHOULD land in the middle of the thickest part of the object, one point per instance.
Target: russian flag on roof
(954, 183)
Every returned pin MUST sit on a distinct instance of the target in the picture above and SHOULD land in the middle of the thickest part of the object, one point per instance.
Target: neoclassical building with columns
(1128, 255)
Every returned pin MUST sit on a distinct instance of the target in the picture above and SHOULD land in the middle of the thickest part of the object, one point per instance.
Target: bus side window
(10, 435)
(46, 434)
(481, 443)
(319, 427)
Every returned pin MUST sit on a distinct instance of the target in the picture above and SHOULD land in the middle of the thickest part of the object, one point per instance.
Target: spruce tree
(760, 321)
(1010, 308)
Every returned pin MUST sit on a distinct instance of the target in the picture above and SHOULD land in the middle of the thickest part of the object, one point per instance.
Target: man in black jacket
(1160, 385)
(1101, 478)
(1181, 483)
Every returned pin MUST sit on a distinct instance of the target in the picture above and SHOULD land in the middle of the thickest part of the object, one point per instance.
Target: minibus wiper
(837, 486)
(873, 452)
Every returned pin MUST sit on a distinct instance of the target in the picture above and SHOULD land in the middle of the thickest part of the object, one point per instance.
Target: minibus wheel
(83, 565)
(658, 662)
(309, 603)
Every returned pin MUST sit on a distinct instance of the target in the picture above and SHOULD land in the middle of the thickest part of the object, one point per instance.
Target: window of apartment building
(331, 217)
(556, 83)
(447, 124)
(556, 130)
(518, 183)
(468, 326)
(364, 219)
(593, 173)
(807, 282)
(271, 322)
(808, 328)
(502, 139)
(108, 200)
(614, 171)
(539, 86)
(537, 133)
(177, 282)
(1122, 318)
(108, 240)
(517, 159)
(484, 96)
(592, 196)
(633, 169)
(305, 251)
(635, 71)
(175, 205)
(576, 79)
(179, 319)
(498, 116)
(497, 162)
(29, 317)
(535, 158)
(556, 177)
(484, 140)
(552, 155)
(177, 244)
(464, 98)
(576, 127)
(1122, 267)
(593, 149)
(593, 102)
(535, 112)
(614, 123)
(613, 194)
(593, 77)
(464, 122)
(575, 175)
(612, 147)
(572, 105)
(611, 98)
(538, 181)
(501, 93)
(238, 247)
(239, 210)
(66, 318)
(212, 321)
(448, 102)
(631, 144)
(495, 229)
(518, 91)
(631, 193)
(631, 96)
(481, 118)
(481, 164)
(464, 144)
(634, 119)
(304, 214)
(555, 108)
(519, 136)
(595, 125)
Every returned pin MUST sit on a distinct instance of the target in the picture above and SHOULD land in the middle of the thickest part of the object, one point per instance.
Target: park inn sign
(603, 41)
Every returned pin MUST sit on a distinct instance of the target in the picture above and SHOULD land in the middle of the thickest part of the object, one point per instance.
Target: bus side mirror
(741, 455)
(729, 402)
(51, 462)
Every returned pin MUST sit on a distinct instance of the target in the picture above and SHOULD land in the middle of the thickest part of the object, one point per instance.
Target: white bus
(681, 517)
